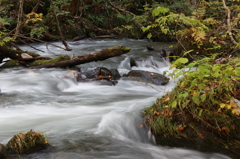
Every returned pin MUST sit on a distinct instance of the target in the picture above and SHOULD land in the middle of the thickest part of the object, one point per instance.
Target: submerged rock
(133, 62)
(148, 77)
(99, 75)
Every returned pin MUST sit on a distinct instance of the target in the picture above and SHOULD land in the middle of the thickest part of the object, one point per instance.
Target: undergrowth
(207, 95)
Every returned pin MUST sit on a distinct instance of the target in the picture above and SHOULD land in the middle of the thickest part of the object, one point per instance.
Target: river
(87, 120)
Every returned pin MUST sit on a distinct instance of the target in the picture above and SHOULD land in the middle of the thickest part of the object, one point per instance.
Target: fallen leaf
(180, 128)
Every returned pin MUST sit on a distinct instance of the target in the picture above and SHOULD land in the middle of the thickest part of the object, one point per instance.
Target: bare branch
(229, 22)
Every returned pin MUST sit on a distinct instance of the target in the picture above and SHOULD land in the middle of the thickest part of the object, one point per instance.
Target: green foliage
(4, 37)
(160, 11)
(186, 25)
(38, 32)
(202, 30)
(206, 93)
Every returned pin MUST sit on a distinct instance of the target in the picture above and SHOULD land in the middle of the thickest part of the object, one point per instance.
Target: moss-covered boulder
(27, 142)
(202, 112)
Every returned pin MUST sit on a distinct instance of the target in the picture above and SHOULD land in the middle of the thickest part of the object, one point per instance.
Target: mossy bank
(202, 112)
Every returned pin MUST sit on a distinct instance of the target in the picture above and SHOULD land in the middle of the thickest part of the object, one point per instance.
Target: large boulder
(147, 77)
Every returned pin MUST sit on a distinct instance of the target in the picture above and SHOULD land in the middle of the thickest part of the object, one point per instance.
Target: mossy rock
(147, 77)
(27, 143)
(202, 111)
(56, 59)
(208, 130)
(10, 63)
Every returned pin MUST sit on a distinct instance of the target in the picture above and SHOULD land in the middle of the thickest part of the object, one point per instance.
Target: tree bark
(20, 19)
(97, 56)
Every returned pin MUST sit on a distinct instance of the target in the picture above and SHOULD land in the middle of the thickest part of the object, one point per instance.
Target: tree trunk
(75, 7)
(98, 56)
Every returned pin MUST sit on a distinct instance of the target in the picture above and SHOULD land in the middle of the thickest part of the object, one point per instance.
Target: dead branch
(229, 22)
(30, 45)
(47, 43)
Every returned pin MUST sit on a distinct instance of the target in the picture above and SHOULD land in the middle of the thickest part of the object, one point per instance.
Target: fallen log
(97, 56)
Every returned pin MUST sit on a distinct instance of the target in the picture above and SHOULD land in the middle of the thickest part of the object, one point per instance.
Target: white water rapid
(86, 120)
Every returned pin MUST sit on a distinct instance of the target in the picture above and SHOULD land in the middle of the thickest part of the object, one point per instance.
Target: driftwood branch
(97, 56)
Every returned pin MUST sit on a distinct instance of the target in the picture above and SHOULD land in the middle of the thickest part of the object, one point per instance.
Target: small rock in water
(29, 142)
(26, 56)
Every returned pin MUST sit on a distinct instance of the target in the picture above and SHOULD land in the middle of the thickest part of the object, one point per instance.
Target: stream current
(87, 120)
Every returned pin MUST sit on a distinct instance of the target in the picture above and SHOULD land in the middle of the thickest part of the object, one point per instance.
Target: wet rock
(99, 75)
(115, 74)
(133, 62)
(26, 56)
(29, 142)
(148, 77)
(150, 48)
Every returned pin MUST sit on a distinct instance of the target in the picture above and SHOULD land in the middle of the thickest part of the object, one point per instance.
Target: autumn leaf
(180, 127)
(156, 113)
(235, 111)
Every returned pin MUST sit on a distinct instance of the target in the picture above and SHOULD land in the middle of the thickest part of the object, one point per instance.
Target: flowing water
(87, 120)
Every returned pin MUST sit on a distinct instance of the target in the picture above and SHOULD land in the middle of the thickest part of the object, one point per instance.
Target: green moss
(124, 49)
(56, 59)
(27, 142)
(10, 63)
